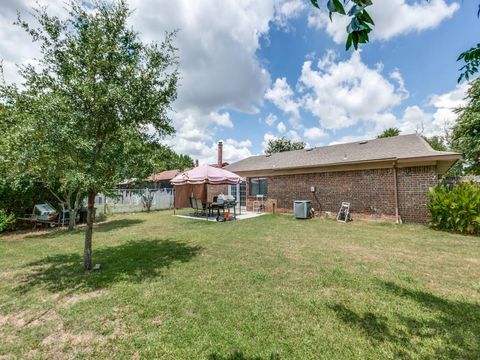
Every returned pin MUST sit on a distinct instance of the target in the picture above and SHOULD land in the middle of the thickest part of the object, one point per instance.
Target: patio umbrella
(205, 174)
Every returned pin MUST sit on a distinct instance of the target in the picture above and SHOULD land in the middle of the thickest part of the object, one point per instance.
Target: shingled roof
(403, 147)
(164, 175)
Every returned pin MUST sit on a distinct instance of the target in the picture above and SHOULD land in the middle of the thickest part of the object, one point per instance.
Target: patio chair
(193, 204)
(201, 207)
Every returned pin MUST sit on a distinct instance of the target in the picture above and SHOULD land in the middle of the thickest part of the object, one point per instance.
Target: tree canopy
(466, 131)
(283, 144)
(437, 142)
(389, 133)
(167, 159)
(96, 104)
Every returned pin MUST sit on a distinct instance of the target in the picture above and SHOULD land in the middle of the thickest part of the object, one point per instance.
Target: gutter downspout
(395, 181)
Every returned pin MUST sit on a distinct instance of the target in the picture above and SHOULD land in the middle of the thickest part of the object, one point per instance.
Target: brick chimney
(196, 163)
(220, 154)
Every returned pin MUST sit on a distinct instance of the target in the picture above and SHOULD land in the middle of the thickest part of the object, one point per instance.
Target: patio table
(226, 205)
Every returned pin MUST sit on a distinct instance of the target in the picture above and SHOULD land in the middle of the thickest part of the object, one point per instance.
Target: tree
(390, 132)
(436, 142)
(471, 62)
(361, 25)
(108, 93)
(466, 131)
(167, 159)
(283, 144)
(37, 149)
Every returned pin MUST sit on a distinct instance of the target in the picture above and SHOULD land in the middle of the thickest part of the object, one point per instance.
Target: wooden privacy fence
(133, 200)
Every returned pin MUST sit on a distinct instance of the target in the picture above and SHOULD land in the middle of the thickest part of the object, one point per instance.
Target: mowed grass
(265, 288)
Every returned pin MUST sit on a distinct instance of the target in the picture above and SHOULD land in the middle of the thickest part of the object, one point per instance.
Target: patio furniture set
(222, 204)
(195, 181)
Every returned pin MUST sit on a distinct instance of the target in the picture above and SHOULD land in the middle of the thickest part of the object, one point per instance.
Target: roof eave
(330, 164)
(437, 157)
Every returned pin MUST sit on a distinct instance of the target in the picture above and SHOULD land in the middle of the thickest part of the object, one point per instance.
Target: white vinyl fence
(132, 200)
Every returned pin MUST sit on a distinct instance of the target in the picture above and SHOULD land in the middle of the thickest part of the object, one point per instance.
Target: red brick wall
(368, 191)
(269, 205)
(413, 185)
(215, 190)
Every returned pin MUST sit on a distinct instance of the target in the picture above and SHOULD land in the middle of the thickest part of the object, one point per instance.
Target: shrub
(6, 220)
(456, 208)
(20, 201)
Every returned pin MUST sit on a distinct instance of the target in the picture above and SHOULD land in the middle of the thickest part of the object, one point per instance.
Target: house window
(258, 186)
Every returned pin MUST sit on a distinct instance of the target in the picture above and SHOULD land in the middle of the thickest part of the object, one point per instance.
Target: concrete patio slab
(243, 216)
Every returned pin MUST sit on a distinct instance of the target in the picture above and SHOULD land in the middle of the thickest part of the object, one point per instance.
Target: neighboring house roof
(407, 148)
(164, 175)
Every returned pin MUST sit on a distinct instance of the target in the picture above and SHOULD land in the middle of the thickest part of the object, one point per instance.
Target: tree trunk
(71, 218)
(72, 212)
(68, 203)
(87, 253)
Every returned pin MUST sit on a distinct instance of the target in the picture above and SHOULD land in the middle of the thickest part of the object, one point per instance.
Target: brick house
(386, 177)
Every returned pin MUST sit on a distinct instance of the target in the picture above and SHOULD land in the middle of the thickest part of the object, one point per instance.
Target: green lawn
(265, 288)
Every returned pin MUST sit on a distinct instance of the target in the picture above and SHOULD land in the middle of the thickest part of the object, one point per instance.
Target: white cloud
(281, 94)
(445, 103)
(397, 76)
(222, 119)
(271, 119)
(348, 92)
(293, 135)
(16, 46)
(238, 143)
(266, 137)
(286, 10)
(220, 71)
(233, 150)
(417, 119)
(219, 67)
(218, 64)
(441, 118)
(314, 134)
(391, 17)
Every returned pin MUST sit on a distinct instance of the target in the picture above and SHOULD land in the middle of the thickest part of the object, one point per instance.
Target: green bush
(456, 208)
(6, 220)
(20, 201)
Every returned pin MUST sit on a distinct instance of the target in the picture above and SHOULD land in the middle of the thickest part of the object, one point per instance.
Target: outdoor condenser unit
(302, 209)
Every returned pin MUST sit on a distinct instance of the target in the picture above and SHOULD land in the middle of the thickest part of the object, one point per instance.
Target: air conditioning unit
(302, 209)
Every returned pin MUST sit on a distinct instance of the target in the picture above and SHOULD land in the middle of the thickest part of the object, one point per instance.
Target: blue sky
(254, 70)
(426, 60)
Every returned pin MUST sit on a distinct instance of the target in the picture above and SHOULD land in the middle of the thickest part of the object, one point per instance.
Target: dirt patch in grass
(365, 254)
(17, 320)
(23, 234)
(7, 357)
(73, 299)
(60, 341)
(6, 275)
